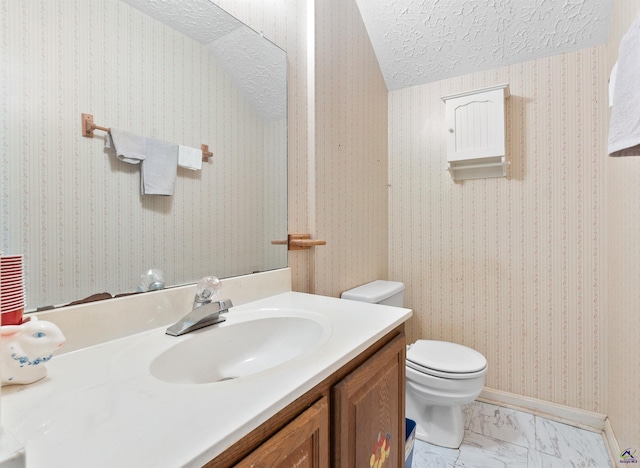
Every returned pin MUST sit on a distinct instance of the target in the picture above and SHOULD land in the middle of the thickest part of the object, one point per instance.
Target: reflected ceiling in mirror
(73, 209)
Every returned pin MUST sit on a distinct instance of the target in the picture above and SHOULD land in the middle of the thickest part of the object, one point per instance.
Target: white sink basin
(235, 350)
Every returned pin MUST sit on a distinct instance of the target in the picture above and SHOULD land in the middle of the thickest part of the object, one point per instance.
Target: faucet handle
(207, 288)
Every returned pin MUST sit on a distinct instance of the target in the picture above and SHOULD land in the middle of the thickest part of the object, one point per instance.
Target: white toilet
(441, 376)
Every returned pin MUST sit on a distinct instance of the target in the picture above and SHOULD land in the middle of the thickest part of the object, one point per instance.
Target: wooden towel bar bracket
(299, 242)
(206, 154)
(88, 127)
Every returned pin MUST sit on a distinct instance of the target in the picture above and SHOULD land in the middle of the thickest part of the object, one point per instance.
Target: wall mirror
(185, 72)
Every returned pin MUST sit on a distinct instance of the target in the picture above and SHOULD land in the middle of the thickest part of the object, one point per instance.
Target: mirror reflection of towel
(159, 168)
(128, 147)
(190, 158)
(624, 130)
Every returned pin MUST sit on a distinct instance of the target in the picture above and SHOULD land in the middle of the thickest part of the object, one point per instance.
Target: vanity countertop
(101, 406)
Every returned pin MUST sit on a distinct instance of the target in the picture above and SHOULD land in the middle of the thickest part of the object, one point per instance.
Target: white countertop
(101, 407)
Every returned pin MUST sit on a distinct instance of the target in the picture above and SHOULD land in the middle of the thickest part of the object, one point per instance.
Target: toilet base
(440, 425)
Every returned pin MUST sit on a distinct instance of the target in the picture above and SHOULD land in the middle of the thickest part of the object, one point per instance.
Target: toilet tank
(378, 292)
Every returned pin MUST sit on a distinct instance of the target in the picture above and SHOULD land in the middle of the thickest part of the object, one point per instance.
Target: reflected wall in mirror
(73, 209)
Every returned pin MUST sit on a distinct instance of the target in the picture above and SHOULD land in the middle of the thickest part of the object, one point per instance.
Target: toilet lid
(446, 357)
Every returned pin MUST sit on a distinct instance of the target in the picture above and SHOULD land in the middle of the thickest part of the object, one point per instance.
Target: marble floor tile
(542, 460)
(574, 446)
(431, 456)
(468, 409)
(504, 424)
(502, 437)
(480, 451)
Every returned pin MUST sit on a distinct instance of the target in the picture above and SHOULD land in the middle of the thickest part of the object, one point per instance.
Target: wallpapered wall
(622, 222)
(338, 190)
(510, 266)
(74, 210)
(351, 159)
(349, 193)
(519, 267)
(285, 23)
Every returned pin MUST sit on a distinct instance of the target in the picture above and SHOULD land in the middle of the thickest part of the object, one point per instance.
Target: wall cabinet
(355, 417)
(475, 122)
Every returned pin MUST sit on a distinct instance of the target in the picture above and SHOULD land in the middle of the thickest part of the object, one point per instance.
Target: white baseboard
(612, 442)
(588, 420)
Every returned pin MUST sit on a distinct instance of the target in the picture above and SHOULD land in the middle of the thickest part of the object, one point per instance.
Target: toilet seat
(446, 360)
(444, 374)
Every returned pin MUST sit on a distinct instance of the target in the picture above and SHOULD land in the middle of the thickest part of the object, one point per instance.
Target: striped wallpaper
(74, 210)
(351, 204)
(538, 271)
(510, 266)
(285, 23)
(622, 224)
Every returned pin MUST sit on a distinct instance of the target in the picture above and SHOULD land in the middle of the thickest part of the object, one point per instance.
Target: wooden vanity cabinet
(368, 412)
(303, 443)
(348, 420)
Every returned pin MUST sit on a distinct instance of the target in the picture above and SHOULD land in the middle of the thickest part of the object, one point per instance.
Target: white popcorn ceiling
(418, 42)
(257, 66)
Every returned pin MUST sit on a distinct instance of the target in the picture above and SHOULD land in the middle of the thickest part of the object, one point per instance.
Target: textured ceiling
(201, 20)
(260, 67)
(257, 67)
(418, 42)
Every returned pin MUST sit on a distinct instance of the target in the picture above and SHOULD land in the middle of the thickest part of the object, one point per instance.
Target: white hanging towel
(160, 168)
(612, 83)
(624, 129)
(190, 158)
(128, 147)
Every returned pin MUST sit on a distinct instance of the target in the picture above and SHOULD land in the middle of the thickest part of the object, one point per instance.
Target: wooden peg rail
(88, 127)
(299, 242)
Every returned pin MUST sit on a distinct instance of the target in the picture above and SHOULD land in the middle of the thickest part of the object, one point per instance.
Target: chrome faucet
(205, 311)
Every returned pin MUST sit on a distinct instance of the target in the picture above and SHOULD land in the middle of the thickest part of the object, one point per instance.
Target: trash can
(410, 431)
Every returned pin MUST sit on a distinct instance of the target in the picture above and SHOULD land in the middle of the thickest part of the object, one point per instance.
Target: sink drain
(227, 378)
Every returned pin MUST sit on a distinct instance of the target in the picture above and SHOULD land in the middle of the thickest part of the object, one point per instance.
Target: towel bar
(88, 127)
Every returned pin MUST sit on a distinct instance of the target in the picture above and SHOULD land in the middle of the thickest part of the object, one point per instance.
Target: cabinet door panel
(368, 411)
(303, 443)
(476, 125)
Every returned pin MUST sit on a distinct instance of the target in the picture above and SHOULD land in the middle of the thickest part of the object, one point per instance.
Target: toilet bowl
(441, 377)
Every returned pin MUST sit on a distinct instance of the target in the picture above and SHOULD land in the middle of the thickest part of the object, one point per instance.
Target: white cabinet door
(475, 123)
(476, 126)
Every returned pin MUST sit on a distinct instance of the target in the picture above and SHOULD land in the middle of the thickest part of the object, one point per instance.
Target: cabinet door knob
(451, 130)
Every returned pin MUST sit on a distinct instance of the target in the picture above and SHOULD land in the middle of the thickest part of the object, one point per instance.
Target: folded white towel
(160, 167)
(624, 129)
(129, 148)
(190, 158)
